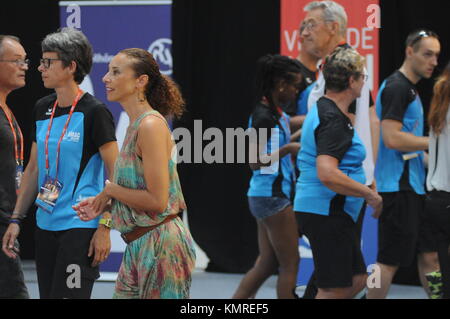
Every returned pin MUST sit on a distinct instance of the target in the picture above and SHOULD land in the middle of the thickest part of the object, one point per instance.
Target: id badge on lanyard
(18, 155)
(49, 193)
(51, 188)
(19, 174)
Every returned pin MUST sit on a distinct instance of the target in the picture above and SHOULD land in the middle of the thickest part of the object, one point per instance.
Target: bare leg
(387, 274)
(426, 263)
(283, 235)
(265, 266)
(359, 282)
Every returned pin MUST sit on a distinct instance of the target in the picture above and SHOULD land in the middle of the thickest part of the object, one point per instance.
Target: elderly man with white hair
(324, 29)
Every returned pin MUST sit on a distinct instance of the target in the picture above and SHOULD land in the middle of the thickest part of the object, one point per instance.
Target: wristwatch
(107, 222)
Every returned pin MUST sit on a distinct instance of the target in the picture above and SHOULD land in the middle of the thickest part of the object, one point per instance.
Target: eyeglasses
(46, 62)
(365, 76)
(311, 25)
(18, 62)
(422, 34)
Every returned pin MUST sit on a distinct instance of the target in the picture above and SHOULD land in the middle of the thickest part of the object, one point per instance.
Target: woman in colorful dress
(146, 195)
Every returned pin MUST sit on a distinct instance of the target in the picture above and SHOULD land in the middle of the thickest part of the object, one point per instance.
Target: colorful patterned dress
(158, 264)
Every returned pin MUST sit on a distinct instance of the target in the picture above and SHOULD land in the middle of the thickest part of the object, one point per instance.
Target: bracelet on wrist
(15, 221)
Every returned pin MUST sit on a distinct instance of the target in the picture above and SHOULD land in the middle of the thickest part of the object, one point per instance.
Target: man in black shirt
(308, 62)
(403, 229)
(12, 76)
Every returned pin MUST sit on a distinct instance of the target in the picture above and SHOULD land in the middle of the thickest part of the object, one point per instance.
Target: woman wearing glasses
(330, 190)
(73, 137)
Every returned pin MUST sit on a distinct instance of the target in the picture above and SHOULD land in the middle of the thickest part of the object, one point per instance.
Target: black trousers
(437, 207)
(63, 267)
(311, 289)
(12, 283)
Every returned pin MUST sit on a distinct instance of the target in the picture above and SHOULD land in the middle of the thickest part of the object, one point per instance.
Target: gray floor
(206, 285)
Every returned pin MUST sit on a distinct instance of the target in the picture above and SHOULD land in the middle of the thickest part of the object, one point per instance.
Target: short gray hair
(332, 12)
(4, 37)
(71, 45)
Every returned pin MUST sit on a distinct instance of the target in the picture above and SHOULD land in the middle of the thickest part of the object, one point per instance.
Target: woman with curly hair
(437, 204)
(146, 194)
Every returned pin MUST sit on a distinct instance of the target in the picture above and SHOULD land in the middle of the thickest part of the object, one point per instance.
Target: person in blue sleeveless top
(73, 138)
(403, 232)
(271, 186)
(331, 188)
(437, 203)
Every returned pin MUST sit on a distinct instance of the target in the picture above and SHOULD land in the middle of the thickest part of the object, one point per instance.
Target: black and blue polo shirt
(328, 131)
(278, 179)
(81, 169)
(399, 100)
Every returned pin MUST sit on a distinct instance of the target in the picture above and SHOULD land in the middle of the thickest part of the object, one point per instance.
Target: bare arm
(394, 138)
(264, 160)
(28, 187)
(109, 152)
(27, 194)
(154, 149)
(333, 178)
(296, 122)
(374, 131)
(296, 136)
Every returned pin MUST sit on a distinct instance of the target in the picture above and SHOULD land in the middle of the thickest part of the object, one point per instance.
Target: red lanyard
(19, 157)
(75, 102)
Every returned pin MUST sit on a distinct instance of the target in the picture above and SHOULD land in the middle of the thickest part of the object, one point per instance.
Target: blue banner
(112, 26)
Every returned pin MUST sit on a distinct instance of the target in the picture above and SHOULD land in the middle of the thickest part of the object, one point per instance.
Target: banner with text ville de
(112, 26)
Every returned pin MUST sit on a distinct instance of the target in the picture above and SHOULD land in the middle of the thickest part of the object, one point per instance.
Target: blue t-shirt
(80, 165)
(398, 100)
(278, 179)
(302, 102)
(327, 131)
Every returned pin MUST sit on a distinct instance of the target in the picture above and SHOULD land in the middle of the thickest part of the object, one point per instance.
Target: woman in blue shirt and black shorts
(330, 190)
(271, 187)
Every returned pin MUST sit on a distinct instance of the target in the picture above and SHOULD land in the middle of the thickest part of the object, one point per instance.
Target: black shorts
(403, 229)
(336, 248)
(63, 267)
(437, 208)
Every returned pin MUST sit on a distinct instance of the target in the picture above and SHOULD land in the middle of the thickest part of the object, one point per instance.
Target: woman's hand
(85, 210)
(375, 201)
(100, 246)
(100, 202)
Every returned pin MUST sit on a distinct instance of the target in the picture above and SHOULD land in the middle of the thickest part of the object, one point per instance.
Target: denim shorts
(263, 207)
